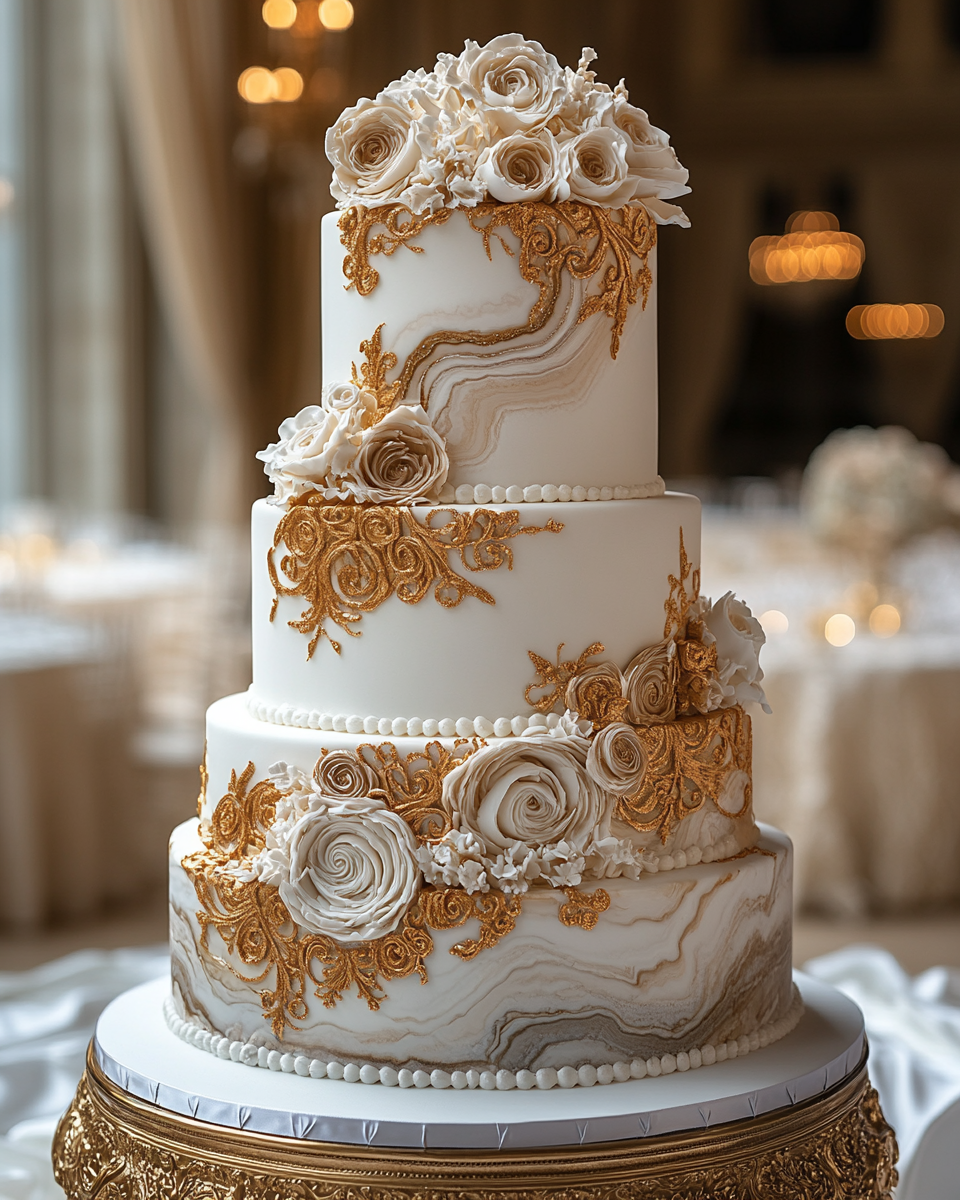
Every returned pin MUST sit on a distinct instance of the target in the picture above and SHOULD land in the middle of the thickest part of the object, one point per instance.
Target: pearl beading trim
(547, 1077)
(535, 493)
(301, 718)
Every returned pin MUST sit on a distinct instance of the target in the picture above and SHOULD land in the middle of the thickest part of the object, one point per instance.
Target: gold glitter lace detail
(688, 762)
(399, 225)
(556, 676)
(256, 928)
(679, 602)
(345, 560)
(582, 239)
(204, 780)
(583, 909)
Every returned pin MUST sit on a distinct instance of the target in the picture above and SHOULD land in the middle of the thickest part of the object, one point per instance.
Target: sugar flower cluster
(503, 122)
(340, 449)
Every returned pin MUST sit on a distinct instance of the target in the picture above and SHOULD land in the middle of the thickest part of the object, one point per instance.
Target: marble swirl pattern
(694, 956)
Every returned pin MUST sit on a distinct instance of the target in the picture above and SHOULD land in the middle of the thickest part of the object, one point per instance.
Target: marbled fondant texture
(533, 409)
(695, 956)
(603, 577)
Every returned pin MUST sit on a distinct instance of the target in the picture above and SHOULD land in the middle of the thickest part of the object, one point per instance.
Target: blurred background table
(860, 760)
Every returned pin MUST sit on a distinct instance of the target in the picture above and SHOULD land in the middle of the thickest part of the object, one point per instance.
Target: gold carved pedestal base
(111, 1146)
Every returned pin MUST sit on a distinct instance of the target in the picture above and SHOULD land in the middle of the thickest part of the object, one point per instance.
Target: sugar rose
(651, 684)
(374, 152)
(533, 790)
(517, 84)
(617, 759)
(341, 773)
(315, 447)
(595, 163)
(523, 167)
(739, 637)
(401, 460)
(348, 869)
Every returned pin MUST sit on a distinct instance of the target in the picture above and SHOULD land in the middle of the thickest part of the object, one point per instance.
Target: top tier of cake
(493, 320)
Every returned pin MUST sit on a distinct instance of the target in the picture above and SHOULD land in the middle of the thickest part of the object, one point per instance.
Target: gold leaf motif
(583, 909)
(345, 560)
(697, 665)
(204, 780)
(111, 1145)
(555, 676)
(399, 224)
(581, 239)
(688, 762)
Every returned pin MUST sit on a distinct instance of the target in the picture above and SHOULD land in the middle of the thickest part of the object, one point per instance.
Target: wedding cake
(484, 817)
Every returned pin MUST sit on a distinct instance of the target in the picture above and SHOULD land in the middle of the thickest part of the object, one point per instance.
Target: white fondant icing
(548, 493)
(544, 1079)
(603, 577)
(549, 405)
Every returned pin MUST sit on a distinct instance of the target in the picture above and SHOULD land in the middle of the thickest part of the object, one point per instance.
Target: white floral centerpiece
(871, 490)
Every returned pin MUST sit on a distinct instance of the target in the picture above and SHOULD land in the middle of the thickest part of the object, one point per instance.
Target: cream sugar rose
(485, 817)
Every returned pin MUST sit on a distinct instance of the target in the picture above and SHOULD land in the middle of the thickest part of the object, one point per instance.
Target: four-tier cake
(484, 817)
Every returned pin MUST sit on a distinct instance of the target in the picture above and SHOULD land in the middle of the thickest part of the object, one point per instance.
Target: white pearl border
(547, 1077)
(549, 493)
(301, 718)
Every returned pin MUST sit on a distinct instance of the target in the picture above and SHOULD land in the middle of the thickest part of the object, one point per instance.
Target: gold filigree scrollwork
(345, 560)
(400, 226)
(414, 784)
(111, 1144)
(555, 676)
(679, 602)
(241, 819)
(688, 762)
(582, 239)
(204, 780)
(583, 909)
(449, 908)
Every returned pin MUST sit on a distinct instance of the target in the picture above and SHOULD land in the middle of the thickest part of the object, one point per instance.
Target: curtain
(175, 94)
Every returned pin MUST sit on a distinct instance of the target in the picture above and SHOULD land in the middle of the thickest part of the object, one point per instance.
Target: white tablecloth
(47, 1017)
(860, 761)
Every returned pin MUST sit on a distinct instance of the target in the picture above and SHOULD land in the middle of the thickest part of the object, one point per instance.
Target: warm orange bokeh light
(289, 84)
(882, 322)
(279, 14)
(257, 85)
(336, 14)
(812, 247)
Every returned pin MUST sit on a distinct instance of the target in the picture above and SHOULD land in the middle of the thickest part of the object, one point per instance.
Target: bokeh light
(257, 85)
(881, 322)
(289, 84)
(885, 620)
(840, 629)
(336, 14)
(774, 621)
(279, 14)
(812, 247)
(6, 193)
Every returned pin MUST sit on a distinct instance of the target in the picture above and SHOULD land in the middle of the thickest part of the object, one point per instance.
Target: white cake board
(136, 1050)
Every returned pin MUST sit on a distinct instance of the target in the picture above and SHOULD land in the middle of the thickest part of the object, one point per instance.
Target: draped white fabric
(47, 1017)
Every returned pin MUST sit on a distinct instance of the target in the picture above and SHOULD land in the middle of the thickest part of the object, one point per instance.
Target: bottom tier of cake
(681, 966)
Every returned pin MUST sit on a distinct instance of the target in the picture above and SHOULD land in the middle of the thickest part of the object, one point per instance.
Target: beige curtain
(175, 96)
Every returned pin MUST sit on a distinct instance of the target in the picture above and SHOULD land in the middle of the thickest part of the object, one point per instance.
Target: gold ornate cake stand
(111, 1145)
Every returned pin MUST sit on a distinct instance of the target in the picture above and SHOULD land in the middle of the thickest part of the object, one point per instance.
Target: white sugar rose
(315, 446)
(401, 460)
(373, 149)
(595, 165)
(517, 84)
(523, 167)
(530, 790)
(651, 684)
(342, 774)
(353, 405)
(617, 759)
(349, 869)
(652, 162)
(739, 637)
